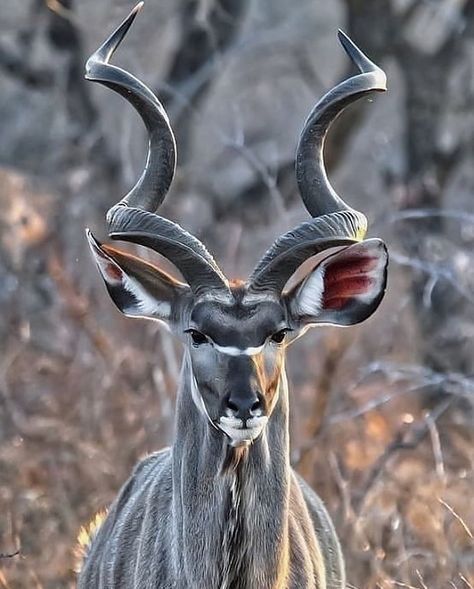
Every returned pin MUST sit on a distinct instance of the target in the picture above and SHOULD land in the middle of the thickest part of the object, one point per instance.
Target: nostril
(256, 406)
(244, 408)
(232, 406)
(256, 409)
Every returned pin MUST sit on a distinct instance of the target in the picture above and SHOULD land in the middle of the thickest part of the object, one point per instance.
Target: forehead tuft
(242, 322)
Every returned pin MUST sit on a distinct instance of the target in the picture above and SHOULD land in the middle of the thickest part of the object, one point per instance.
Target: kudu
(222, 508)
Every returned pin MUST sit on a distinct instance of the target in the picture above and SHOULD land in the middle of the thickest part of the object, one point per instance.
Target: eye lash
(197, 337)
(279, 336)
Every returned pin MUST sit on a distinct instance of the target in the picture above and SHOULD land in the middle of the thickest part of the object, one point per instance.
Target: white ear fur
(140, 303)
(312, 297)
(146, 305)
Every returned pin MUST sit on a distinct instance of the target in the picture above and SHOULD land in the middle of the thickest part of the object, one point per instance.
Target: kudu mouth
(242, 432)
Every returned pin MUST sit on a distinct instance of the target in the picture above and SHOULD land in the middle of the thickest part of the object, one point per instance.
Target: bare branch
(434, 271)
(406, 439)
(458, 517)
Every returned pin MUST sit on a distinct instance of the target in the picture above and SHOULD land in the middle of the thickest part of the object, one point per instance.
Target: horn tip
(116, 37)
(341, 34)
(107, 49)
(361, 60)
(133, 13)
(135, 10)
(93, 242)
(348, 44)
(355, 53)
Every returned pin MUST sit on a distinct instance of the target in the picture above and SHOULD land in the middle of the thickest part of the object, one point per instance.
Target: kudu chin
(222, 507)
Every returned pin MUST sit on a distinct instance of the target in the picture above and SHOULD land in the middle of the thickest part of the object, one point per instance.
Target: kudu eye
(197, 337)
(279, 336)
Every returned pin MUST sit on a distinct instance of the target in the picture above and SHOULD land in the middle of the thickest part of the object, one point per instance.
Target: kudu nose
(244, 406)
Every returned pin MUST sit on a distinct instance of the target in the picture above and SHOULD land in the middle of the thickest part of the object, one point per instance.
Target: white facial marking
(311, 293)
(257, 421)
(234, 351)
(239, 435)
(219, 297)
(252, 298)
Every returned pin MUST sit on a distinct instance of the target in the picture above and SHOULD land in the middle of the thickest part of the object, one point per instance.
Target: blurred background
(382, 413)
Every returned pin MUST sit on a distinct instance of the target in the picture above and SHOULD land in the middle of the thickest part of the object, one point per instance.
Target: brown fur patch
(85, 537)
(233, 458)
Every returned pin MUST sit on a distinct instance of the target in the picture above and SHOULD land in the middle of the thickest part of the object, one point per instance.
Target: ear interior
(138, 288)
(345, 288)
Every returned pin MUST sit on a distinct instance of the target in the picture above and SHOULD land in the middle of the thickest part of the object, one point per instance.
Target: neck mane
(239, 496)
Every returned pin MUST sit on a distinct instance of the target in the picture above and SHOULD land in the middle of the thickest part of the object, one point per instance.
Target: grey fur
(223, 508)
(183, 520)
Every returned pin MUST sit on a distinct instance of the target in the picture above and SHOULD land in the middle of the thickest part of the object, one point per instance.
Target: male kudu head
(236, 333)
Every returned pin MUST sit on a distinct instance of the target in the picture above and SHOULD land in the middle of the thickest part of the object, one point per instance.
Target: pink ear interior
(109, 269)
(112, 272)
(350, 275)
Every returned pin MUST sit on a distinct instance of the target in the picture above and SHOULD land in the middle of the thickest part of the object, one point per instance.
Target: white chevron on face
(234, 351)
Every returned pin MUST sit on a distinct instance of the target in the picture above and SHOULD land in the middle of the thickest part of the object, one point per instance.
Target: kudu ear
(138, 288)
(344, 289)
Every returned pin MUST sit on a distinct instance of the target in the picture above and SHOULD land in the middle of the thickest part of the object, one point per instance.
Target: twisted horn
(187, 253)
(334, 223)
(152, 186)
(133, 218)
(316, 191)
(293, 248)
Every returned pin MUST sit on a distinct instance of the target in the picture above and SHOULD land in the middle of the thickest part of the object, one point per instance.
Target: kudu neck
(240, 502)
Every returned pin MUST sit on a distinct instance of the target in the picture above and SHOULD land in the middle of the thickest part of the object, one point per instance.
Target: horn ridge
(187, 253)
(309, 238)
